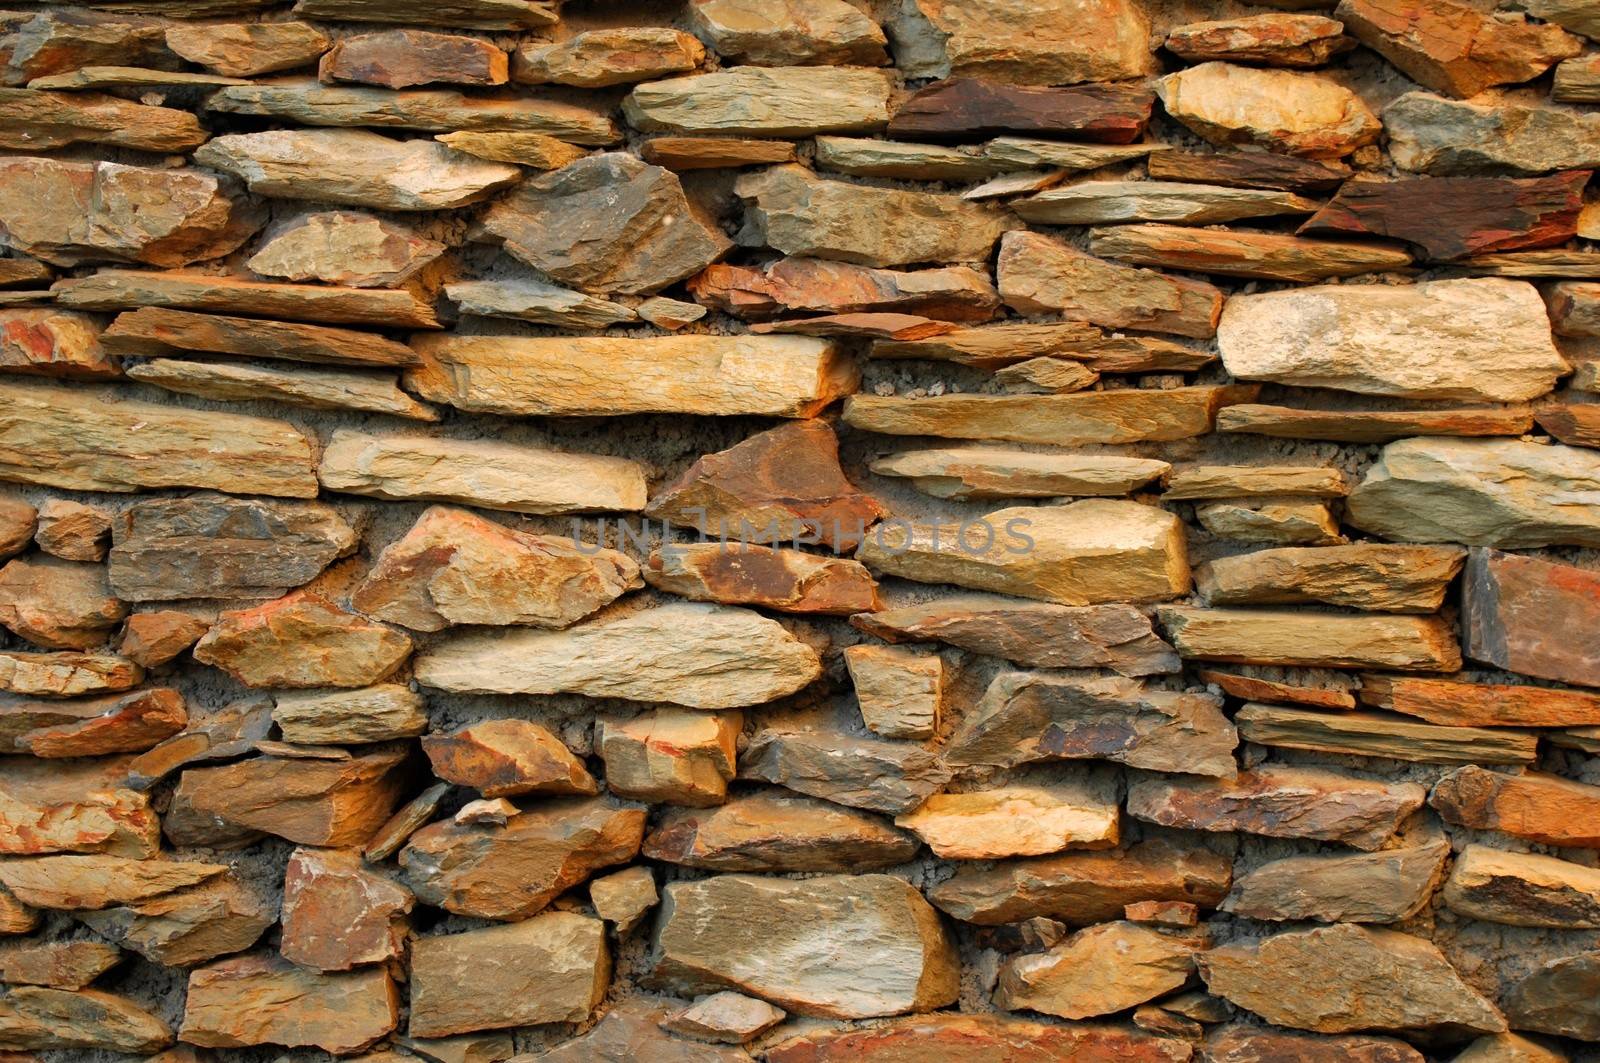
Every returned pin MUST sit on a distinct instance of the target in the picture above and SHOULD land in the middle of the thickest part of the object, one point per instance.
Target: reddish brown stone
(155, 639)
(971, 109)
(129, 723)
(59, 41)
(398, 59)
(57, 343)
(60, 605)
(503, 758)
(948, 1035)
(58, 806)
(774, 830)
(302, 640)
(951, 293)
(1251, 688)
(1247, 169)
(1576, 424)
(879, 326)
(66, 675)
(1542, 808)
(229, 732)
(1295, 40)
(263, 999)
(73, 531)
(407, 820)
(790, 581)
(1265, 1044)
(1240, 253)
(714, 153)
(1512, 605)
(1443, 701)
(784, 484)
(338, 915)
(1451, 217)
(18, 520)
(58, 964)
(156, 332)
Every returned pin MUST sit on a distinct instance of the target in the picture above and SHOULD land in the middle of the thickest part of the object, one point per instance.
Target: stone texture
(514, 871)
(485, 473)
(793, 211)
(1523, 889)
(58, 40)
(505, 758)
(789, 581)
(1291, 40)
(603, 57)
(56, 604)
(406, 821)
(861, 157)
(670, 756)
(476, 14)
(1548, 809)
(34, 1017)
(189, 926)
(1018, 820)
(1097, 971)
(525, 299)
(1396, 579)
(622, 898)
(1378, 735)
(1039, 274)
(87, 882)
(868, 773)
(1313, 640)
(1428, 134)
(763, 102)
(967, 473)
(1450, 47)
(338, 915)
(326, 389)
(123, 290)
(356, 167)
(224, 734)
(1236, 253)
(454, 567)
(343, 247)
(967, 108)
(899, 692)
(632, 1029)
(56, 806)
(18, 522)
(725, 1017)
(1254, 481)
(1280, 802)
(90, 727)
(1056, 43)
(1558, 997)
(1481, 704)
(852, 946)
(1084, 888)
(73, 531)
(245, 49)
(982, 1034)
(54, 343)
(262, 999)
(66, 675)
(1573, 423)
(773, 830)
(792, 33)
(302, 640)
(398, 59)
(526, 149)
(552, 968)
(1297, 114)
(1381, 887)
(59, 965)
(1481, 492)
(1111, 201)
(1529, 616)
(772, 376)
(1353, 970)
(36, 120)
(1372, 426)
(714, 153)
(953, 293)
(1239, 1043)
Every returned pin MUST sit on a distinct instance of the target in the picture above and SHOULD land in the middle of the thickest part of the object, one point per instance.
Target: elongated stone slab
(951, 293)
(1378, 735)
(1372, 426)
(154, 332)
(785, 101)
(775, 376)
(318, 389)
(860, 157)
(773, 830)
(1238, 253)
(400, 59)
(79, 1022)
(66, 675)
(998, 346)
(1121, 416)
(1248, 169)
(1052, 43)
(1255, 481)
(33, 120)
(946, 1033)
(1548, 809)
(1512, 607)
(1432, 135)
(1102, 202)
(789, 581)
(1313, 640)
(603, 57)
(1523, 889)
(336, 803)
(968, 108)
(1280, 802)
(1297, 41)
(265, 999)
(476, 472)
(700, 656)
(1381, 887)
(302, 640)
(714, 153)
(245, 49)
(1036, 634)
(526, 299)
(93, 881)
(115, 289)
(1398, 579)
(1297, 114)
(1456, 704)
(56, 806)
(478, 14)
(965, 473)
(881, 776)
(1020, 820)
(343, 247)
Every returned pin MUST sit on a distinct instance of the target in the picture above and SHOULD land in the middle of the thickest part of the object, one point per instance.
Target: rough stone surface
(337, 915)
(1016, 821)
(1098, 971)
(671, 756)
(1055, 43)
(869, 773)
(308, 801)
(1450, 47)
(1381, 887)
(1391, 579)
(302, 640)
(505, 758)
(773, 830)
(763, 102)
(1297, 114)
(1543, 808)
(1514, 607)
(262, 999)
(1315, 640)
(1432, 135)
(789, 581)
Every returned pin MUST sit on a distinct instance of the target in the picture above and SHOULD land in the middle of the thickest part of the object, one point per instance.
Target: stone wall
(802, 531)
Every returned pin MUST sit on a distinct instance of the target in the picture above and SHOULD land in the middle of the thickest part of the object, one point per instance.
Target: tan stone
(504, 758)
(245, 49)
(527, 149)
(229, 732)
(73, 531)
(127, 77)
(967, 473)
(57, 964)
(263, 999)
(1268, 40)
(1237, 253)
(33, 119)
(16, 917)
(714, 153)
(552, 968)
(763, 102)
(948, 1033)
(476, 14)
(598, 58)
(373, 714)
(311, 388)
(60, 605)
(1548, 809)
(566, 376)
(1378, 735)
(671, 756)
(1452, 48)
(1255, 481)
(1481, 704)
(55, 343)
(515, 871)
(189, 926)
(1429, 134)
(1017, 820)
(343, 247)
(66, 675)
(1291, 522)
(1059, 42)
(1016, 153)
(1557, 998)
(1509, 1048)
(861, 157)
(1523, 889)
(454, 567)
(1046, 376)
(773, 830)
(33, 1017)
(1097, 971)
(398, 59)
(793, 33)
(1280, 802)
(86, 882)
(156, 332)
(1109, 201)
(955, 293)
(1079, 554)
(302, 640)
(157, 638)
(56, 40)
(338, 915)
(1391, 579)
(1349, 972)
(869, 773)
(1381, 887)
(623, 897)
(1372, 426)
(18, 522)
(526, 299)
(899, 692)
(126, 289)
(1298, 114)
(789, 581)
(484, 473)
(51, 806)
(1313, 640)
(725, 1017)
(94, 727)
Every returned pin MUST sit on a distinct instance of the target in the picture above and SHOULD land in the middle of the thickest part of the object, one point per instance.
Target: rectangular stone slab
(1370, 576)
(1549, 809)
(1311, 639)
(1534, 617)
(972, 108)
(1249, 169)
(1240, 253)
(782, 101)
(1372, 426)
(155, 331)
(1369, 734)
(1481, 704)
(94, 439)
(775, 376)
(115, 289)
(453, 14)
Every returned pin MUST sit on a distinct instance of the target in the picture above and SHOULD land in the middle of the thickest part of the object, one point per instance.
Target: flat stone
(603, 57)
(73, 531)
(16, 917)
(475, 14)
(57, 964)
(54, 343)
(1576, 81)
(66, 675)
(1574, 308)
(998, 346)
(71, 213)
(918, 1037)
(309, 802)
(1511, 605)
(950, 293)
(773, 830)
(34, 1017)
(505, 758)
(1084, 888)
(1036, 634)
(1255, 481)
(632, 1029)
(670, 314)
(1482, 492)
(356, 167)
(1523, 889)
(1029, 716)
(755, 101)
(537, 150)
(1311, 639)
(1280, 802)
(1541, 808)
(1452, 48)
(1291, 40)
(229, 732)
(784, 484)
(1085, 553)
(93, 727)
(1389, 886)
(33, 119)
(860, 157)
(867, 773)
(122, 290)
(793, 211)
(1097, 971)
(1055, 43)
(343, 247)
(714, 153)
(59, 605)
(1248, 169)
(318, 389)
(1429, 134)
(1239, 1043)
(484, 473)
(1292, 113)
(515, 871)
(126, 77)
(406, 821)
(1020, 820)
(1237, 253)
(57, 806)
(525, 299)
(454, 567)
(1558, 997)
(1442, 701)
(1372, 426)
(1021, 153)
(900, 692)
(189, 926)
(87, 882)
(338, 915)
(790, 581)
(1576, 424)
(1046, 376)
(1379, 735)
(797, 33)
(302, 640)
(1391, 579)
(1349, 972)
(263, 999)
(567, 376)
(727, 1018)
(1039, 274)
(724, 933)
(59, 40)
(967, 108)
(1434, 337)
(398, 59)
(670, 756)
(1100, 202)
(622, 898)
(969, 473)
(1509, 1048)
(245, 49)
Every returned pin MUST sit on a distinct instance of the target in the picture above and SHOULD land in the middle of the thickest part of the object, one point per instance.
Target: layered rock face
(799, 531)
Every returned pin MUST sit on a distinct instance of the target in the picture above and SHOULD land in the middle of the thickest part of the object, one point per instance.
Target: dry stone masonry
(799, 531)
